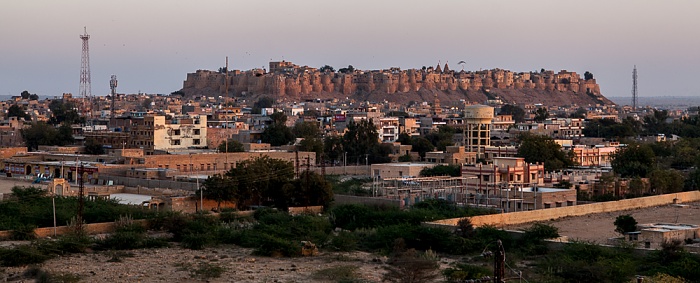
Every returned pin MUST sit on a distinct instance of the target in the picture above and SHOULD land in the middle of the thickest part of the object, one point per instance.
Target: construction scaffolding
(415, 189)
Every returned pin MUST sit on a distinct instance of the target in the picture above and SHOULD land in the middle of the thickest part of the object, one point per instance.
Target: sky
(151, 45)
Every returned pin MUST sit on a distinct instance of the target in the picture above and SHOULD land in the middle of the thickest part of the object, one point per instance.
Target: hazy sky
(152, 45)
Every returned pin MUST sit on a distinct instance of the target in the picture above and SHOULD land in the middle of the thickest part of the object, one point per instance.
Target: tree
(635, 160)
(25, 94)
(350, 69)
(541, 114)
(656, 123)
(361, 139)
(543, 149)
(442, 138)
(517, 112)
(33, 96)
(610, 129)
(306, 130)
(625, 223)
(219, 189)
(412, 266)
(665, 181)
(64, 113)
(277, 133)
(17, 111)
(263, 102)
(92, 146)
(421, 145)
(260, 181)
(441, 170)
(333, 148)
(309, 189)
(404, 139)
(326, 69)
(40, 133)
(233, 146)
(587, 75)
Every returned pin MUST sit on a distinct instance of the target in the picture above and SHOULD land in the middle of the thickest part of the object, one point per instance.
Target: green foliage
(442, 138)
(64, 113)
(277, 133)
(350, 186)
(326, 69)
(35, 209)
(361, 141)
(233, 146)
(263, 102)
(333, 148)
(23, 233)
(541, 114)
(92, 146)
(405, 158)
(411, 266)
(219, 189)
(348, 70)
(342, 273)
(259, 180)
(344, 241)
(517, 112)
(625, 223)
(587, 75)
(610, 129)
(666, 181)
(40, 133)
(421, 145)
(543, 149)
(17, 111)
(22, 255)
(442, 170)
(635, 160)
(461, 272)
(206, 271)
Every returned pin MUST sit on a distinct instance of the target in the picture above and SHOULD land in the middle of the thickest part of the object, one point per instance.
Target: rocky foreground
(184, 265)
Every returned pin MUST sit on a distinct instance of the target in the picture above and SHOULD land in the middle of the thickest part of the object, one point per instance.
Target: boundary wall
(520, 217)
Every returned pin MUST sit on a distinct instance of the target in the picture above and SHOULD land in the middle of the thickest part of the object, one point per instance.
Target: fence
(148, 183)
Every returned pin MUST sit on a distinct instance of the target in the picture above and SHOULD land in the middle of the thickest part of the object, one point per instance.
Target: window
(174, 142)
(195, 132)
(195, 142)
(486, 178)
(176, 132)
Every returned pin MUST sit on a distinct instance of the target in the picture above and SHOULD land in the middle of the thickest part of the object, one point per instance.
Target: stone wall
(295, 81)
(513, 218)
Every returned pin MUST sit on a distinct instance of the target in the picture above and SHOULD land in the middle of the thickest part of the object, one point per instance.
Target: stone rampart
(513, 218)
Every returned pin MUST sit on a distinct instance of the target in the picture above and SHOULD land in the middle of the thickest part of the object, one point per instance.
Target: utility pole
(113, 87)
(499, 269)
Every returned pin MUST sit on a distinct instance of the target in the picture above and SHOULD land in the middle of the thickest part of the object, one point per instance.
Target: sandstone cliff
(286, 81)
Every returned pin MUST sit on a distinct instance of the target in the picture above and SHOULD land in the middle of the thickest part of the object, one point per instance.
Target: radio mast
(85, 88)
(634, 89)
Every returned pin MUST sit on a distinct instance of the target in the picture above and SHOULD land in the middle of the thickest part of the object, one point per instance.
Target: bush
(24, 232)
(196, 241)
(207, 271)
(344, 241)
(274, 246)
(462, 272)
(23, 255)
(343, 273)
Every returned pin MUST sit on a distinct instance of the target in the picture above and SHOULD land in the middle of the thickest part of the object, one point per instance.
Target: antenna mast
(113, 87)
(634, 89)
(85, 88)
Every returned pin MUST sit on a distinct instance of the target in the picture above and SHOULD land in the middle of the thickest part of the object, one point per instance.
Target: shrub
(207, 271)
(462, 272)
(196, 241)
(344, 241)
(24, 232)
(625, 223)
(342, 273)
(22, 255)
(274, 246)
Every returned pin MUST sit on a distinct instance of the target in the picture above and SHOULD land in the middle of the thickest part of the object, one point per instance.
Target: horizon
(151, 46)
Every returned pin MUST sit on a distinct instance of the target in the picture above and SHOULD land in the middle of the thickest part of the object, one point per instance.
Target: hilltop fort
(287, 81)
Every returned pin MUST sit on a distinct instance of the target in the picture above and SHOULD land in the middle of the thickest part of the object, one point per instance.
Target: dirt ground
(176, 265)
(599, 227)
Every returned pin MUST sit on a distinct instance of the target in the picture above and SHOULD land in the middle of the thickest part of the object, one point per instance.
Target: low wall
(346, 199)
(305, 210)
(94, 228)
(136, 182)
(344, 170)
(505, 219)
